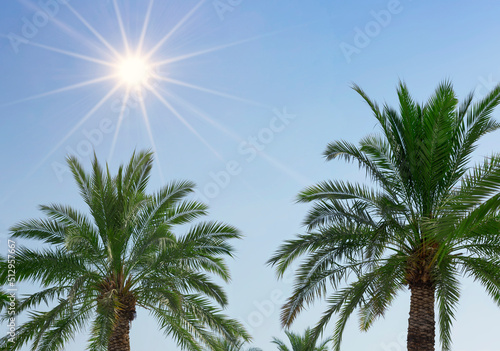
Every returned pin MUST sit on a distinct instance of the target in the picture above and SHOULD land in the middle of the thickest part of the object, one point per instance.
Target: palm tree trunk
(119, 339)
(421, 324)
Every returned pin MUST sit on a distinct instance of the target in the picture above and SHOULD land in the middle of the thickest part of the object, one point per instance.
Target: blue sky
(275, 73)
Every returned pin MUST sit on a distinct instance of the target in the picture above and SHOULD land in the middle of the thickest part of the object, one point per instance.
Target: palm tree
(299, 342)
(428, 219)
(225, 344)
(97, 269)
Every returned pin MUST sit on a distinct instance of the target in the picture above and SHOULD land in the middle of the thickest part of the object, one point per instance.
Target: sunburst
(133, 70)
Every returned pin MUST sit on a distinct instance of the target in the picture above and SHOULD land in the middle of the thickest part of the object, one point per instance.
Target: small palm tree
(306, 342)
(98, 269)
(429, 219)
(224, 344)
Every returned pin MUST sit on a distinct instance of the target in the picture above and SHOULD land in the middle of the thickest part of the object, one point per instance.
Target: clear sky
(238, 76)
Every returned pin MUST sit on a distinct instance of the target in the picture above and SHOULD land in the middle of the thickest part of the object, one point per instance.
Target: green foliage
(4, 300)
(306, 342)
(225, 344)
(428, 216)
(127, 245)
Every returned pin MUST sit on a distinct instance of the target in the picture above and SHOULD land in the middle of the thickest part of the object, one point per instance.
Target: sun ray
(296, 176)
(73, 54)
(176, 27)
(168, 99)
(122, 28)
(215, 48)
(301, 179)
(210, 91)
(55, 20)
(145, 26)
(203, 115)
(119, 123)
(61, 90)
(95, 32)
(78, 125)
(203, 52)
(151, 139)
(186, 123)
(44, 159)
(80, 38)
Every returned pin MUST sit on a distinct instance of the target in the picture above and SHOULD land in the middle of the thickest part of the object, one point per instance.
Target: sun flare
(137, 69)
(134, 71)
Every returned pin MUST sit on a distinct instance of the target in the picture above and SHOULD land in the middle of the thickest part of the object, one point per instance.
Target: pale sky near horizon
(274, 74)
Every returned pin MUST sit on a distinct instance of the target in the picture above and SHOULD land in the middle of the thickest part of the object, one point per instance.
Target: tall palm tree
(299, 342)
(428, 219)
(97, 269)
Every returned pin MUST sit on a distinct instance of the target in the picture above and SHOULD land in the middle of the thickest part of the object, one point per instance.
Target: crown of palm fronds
(428, 218)
(98, 267)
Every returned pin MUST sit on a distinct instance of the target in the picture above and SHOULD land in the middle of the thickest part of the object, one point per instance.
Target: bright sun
(134, 71)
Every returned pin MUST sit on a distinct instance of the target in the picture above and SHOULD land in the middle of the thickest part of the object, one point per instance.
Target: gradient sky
(291, 58)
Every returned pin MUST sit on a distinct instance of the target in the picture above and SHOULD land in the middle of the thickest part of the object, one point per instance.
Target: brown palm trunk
(421, 324)
(119, 339)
